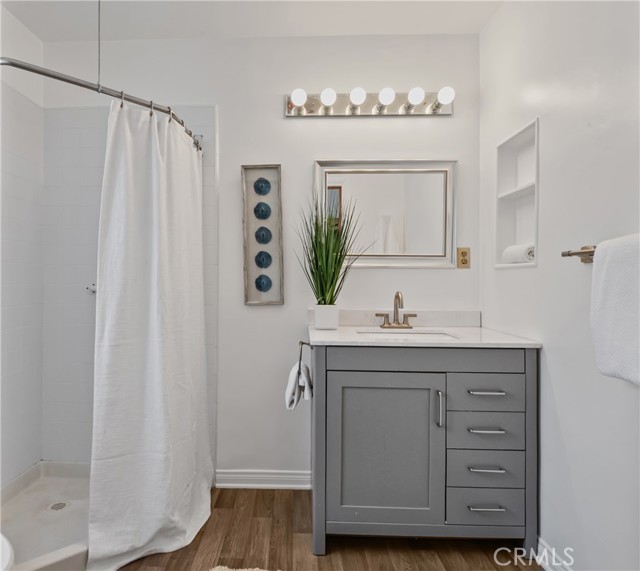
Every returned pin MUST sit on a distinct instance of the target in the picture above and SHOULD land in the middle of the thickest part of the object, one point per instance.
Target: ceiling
(54, 21)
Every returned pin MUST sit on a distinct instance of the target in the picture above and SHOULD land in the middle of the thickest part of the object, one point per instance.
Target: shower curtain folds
(151, 469)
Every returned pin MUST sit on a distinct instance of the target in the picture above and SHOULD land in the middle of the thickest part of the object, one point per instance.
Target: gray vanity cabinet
(424, 442)
(385, 447)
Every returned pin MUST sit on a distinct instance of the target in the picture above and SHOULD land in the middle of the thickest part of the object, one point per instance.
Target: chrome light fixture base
(371, 107)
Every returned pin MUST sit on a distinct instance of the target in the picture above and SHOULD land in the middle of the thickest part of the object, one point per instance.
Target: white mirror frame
(447, 261)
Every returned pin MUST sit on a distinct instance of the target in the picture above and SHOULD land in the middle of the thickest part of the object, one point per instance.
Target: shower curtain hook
(170, 114)
(151, 112)
(122, 99)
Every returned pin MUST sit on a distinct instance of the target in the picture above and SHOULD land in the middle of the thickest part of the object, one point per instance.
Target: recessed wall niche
(517, 199)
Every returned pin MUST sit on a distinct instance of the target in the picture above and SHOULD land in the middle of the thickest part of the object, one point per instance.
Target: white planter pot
(327, 317)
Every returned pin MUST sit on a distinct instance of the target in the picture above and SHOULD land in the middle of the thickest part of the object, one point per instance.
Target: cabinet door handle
(496, 509)
(440, 410)
(487, 393)
(487, 470)
(487, 430)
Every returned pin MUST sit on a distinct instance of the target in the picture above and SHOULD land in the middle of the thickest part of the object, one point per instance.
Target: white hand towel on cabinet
(292, 392)
(298, 386)
(615, 307)
(304, 381)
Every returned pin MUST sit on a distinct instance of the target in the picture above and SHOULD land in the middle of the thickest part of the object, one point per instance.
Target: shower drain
(57, 506)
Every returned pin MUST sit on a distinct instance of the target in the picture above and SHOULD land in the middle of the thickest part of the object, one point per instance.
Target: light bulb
(328, 96)
(416, 96)
(386, 96)
(298, 97)
(357, 96)
(446, 95)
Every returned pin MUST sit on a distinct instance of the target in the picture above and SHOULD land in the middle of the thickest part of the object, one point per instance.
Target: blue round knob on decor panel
(263, 235)
(262, 186)
(263, 283)
(262, 211)
(263, 259)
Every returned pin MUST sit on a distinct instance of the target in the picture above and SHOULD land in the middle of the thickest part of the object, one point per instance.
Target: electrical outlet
(463, 258)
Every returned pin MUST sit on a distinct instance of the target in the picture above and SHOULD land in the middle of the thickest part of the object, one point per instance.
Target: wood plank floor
(271, 529)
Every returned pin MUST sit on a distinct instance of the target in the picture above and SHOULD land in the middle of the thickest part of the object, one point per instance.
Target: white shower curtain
(151, 469)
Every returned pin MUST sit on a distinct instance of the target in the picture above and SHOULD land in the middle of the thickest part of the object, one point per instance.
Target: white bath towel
(615, 307)
(518, 254)
(391, 245)
(380, 238)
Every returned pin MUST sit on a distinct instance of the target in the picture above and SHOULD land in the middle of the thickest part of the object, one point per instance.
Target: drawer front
(485, 468)
(485, 391)
(485, 506)
(486, 430)
(429, 360)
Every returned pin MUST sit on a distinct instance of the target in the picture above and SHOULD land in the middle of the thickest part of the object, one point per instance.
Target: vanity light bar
(359, 103)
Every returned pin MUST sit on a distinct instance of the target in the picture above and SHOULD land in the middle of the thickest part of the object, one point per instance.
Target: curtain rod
(98, 89)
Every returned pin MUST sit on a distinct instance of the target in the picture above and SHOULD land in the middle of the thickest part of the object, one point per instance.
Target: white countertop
(419, 337)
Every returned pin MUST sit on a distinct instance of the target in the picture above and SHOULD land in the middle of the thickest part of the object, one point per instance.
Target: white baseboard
(268, 479)
(552, 563)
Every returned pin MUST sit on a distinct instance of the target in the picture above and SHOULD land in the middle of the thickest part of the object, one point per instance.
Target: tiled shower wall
(74, 148)
(75, 142)
(22, 122)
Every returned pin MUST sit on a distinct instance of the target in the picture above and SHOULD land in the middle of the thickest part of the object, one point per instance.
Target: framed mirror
(406, 209)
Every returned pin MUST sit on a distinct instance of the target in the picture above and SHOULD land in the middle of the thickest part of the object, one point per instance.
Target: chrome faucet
(398, 304)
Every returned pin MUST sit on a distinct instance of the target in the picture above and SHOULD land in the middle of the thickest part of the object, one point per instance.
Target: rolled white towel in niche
(519, 254)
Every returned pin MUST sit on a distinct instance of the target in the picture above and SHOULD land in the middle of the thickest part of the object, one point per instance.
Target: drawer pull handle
(440, 421)
(487, 430)
(487, 470)
(487, 393)
(475, 509)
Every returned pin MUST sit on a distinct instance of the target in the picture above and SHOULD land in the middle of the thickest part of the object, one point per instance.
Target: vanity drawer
(428, 360)
(486, 430)
(485, 468)
(485, 391)
(485, 506)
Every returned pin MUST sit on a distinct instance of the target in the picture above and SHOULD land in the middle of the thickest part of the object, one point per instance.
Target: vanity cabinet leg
(530, 543)
(319, 543)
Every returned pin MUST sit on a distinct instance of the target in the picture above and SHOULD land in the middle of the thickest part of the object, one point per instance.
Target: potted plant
(328, 252)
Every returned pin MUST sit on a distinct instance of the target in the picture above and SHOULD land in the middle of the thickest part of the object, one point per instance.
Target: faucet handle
(405, 318)
(385, 322)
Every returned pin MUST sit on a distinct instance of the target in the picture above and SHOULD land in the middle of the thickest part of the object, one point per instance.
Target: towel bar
(302, 344)
(585, 254)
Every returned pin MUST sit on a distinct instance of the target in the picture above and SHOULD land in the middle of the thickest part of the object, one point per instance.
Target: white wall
(18, 42)
(21, 237)
(575, 65)
(248, 79)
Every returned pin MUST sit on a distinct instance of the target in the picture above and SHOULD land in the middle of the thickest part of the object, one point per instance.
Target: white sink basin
(434, 334)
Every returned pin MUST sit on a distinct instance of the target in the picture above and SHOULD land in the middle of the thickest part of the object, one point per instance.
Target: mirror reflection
(406, 209)
(402, 213)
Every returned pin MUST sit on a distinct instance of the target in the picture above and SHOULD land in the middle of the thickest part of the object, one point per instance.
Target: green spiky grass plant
(328, 249)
